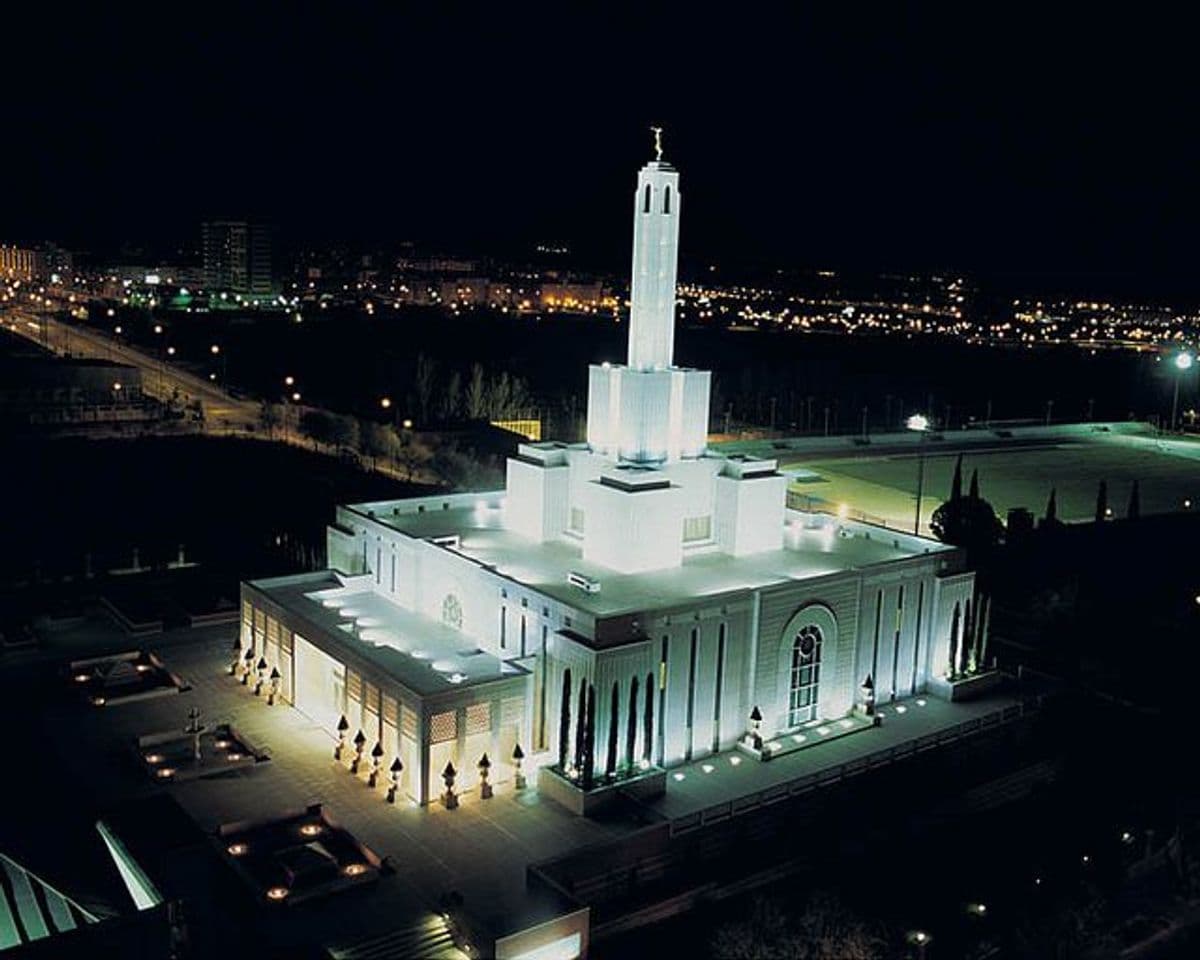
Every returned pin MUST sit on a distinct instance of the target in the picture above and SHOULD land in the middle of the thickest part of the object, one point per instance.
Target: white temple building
(638, 559)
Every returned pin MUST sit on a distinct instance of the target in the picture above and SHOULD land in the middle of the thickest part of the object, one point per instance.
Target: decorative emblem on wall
(452, 614)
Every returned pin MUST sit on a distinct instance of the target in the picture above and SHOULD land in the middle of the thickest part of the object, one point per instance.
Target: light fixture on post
(484, 767)
(755, 733)
(394, 776)
(1183, 363)
(342, 726)
(920, 423)
(261, 669)
(360, 742)
(247, 660)
(376, 760)
(275, 678)
(518, 756)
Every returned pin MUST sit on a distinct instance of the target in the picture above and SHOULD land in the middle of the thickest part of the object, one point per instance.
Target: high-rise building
(19, 263)
(238, 257)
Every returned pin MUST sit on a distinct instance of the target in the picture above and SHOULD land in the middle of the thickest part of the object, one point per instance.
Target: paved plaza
(480, 850)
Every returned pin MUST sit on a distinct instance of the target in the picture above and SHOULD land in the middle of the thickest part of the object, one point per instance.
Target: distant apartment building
(19, 263)
(238, 257)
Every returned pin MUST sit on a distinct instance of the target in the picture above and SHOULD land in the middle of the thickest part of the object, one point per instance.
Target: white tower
(656, 204)
(650, 411)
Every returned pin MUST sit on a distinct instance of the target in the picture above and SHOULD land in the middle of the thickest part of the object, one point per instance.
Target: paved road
(159, 379)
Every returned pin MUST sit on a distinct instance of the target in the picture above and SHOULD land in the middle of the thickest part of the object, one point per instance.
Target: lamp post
(394, 773)
(1183, 363)
(919, 939)
(920, 423)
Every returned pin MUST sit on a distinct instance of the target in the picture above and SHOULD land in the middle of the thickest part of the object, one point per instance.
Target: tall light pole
(1183, 363)
(920, 423)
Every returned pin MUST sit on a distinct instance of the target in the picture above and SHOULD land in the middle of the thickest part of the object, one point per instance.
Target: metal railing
(885, 756)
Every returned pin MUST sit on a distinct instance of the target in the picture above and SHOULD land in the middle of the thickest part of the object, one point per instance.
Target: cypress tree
(1135, 503)
(1052, 508)
(1102, 502)
(589, 739)
(581, 724)
(956, 483)
(631, 724)
(564, 721)
(954, 641)
(610, 764)
(968, 644)
(974, 494)
(648, 719)
(983, 634)
(984, 605)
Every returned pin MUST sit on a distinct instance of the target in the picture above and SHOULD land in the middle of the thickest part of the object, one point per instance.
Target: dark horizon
(1045, 148)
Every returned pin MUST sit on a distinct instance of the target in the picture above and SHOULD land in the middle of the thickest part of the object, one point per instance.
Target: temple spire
(656, 204)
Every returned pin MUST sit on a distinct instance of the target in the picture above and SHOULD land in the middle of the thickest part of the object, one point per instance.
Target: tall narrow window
(917, 636)
(806, 675)
(691, 694)
(875, 648)
(542, 742)
(378, 565)
(896, 641)
(667, 200)
(503, 627)
(393, 573)
(522, 634)
(662, 701)
(716, 744)
(646, 200)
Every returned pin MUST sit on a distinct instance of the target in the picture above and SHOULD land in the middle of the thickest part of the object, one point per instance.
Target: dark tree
(631, 725)
(589, 740)
(981, 615)
(966, 645)
(967, 522)
(1135, 503)
(610, 764)
(968, 641)
(648, 719)
(564, 722)
(581, 724)
(956, 483)
(974, 494)
(954, 641)
(1102, 502)
(1051, 509)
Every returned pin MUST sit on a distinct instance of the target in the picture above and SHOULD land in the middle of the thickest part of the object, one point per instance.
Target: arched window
(667, 200)
(806, 675)
(646, 200)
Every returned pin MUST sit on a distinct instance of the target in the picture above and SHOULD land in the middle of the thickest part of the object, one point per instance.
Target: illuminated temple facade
(444, 625)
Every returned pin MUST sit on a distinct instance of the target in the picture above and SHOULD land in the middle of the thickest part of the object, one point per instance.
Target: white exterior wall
(749, 514)
(603, 412)
(656, 205)
(633, 532)
(537, 501)
(696, 388)
(949, 591)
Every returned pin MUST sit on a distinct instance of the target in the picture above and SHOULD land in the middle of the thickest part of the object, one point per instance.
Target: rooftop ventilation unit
(583, 582)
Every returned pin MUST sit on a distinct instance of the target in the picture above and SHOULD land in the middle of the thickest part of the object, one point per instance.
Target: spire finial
(657, 131)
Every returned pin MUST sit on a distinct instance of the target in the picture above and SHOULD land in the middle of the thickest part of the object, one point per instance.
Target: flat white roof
(826, 547)
(427, 657)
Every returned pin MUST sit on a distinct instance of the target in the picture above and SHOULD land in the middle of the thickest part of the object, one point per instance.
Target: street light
(215, 349)
(1183, 363)
(919, 939)
(289, 380)
(920, 423)
(386, 402)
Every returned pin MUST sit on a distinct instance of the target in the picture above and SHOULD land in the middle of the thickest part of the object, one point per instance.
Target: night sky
(1002, 144)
